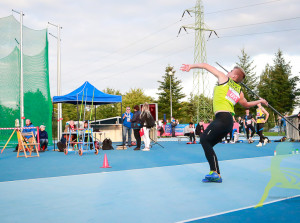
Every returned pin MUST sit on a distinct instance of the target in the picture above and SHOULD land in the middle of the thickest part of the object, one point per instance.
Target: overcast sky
(127, 44)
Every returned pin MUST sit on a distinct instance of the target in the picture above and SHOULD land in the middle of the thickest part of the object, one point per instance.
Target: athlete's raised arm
(218, 74)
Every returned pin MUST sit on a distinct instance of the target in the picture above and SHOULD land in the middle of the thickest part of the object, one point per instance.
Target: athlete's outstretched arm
(218, 74)
(243, 102)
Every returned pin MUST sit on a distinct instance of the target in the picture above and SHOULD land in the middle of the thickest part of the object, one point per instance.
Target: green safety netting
(37, 99)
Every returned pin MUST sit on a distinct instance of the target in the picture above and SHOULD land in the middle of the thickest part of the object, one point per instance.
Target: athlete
(261, 118)
(226, 95)
(248, 119)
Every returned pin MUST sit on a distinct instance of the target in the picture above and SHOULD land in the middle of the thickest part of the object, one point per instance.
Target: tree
(109, 110)
(134, 97)
(164, 95)
(278, 86)
(189, 110)
(250, 80)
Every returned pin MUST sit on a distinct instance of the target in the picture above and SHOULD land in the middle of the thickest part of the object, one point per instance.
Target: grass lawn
(273, 134)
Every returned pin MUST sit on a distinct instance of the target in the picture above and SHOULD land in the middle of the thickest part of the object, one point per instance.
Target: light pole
(59, 105)
(171, 73)
(21, 69)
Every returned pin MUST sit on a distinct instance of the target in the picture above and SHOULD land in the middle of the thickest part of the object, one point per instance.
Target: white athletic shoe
(259, 144)
(146, 149)
(265, 141)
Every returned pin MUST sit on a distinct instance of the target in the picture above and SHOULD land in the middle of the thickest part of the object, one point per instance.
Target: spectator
(70, 127)
(261, 118)
(136, 126)
(87, 135)
(29, 138)
(299, 122)
(248, 120)
(173, 125)
(127, 116)
(160, 128)
(279, 123)
(200, 129)
(189, 130)
(241, 125)
(146, 120)
(43, 135)
(283, 121)
(29, 124)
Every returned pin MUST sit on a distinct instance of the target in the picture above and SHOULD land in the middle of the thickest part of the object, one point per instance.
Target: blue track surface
(283, 211)
(52, 164)
(163, 185)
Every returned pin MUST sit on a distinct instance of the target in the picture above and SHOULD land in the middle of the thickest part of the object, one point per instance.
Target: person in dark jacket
(199, 129)
(136, 126)
(43, 138)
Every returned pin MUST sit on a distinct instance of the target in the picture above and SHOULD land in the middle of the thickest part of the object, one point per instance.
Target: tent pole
(95, 113)
(122, 125)
(77, 113)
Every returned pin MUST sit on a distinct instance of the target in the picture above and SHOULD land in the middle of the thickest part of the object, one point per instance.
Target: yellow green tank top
(226, 96)
(260, 116)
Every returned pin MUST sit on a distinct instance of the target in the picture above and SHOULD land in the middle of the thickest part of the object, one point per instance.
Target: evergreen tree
(164, 95)
(250, 80)
(278, 86)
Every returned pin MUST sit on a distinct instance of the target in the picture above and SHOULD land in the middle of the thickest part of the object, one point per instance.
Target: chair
(24, 146)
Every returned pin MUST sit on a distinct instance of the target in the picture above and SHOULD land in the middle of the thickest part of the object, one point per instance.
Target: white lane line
(234, 210)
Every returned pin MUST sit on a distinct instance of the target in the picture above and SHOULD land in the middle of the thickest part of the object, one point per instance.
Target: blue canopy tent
(88, 94)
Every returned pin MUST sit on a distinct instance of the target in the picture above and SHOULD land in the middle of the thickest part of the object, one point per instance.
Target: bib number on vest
(232, 96)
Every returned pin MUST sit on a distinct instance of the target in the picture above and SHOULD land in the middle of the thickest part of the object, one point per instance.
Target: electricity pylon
(204, 107)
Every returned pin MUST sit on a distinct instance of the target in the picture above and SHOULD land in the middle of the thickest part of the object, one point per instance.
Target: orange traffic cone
(105, 162)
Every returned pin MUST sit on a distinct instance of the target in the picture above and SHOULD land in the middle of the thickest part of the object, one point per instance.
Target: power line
(250, 34)
(131, 44)
(160, 30)
(259, 23)
(176, 52)
(135, 67)
(169, 40)
(127, 58)
(246, 6)
(166, 27)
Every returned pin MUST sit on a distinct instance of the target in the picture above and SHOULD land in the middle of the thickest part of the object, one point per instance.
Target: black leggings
(218, 129)
(259, 130)
(191, 135)
(137, 136)
(252, 131)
